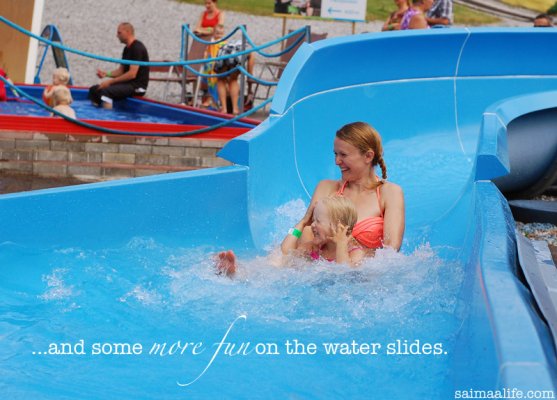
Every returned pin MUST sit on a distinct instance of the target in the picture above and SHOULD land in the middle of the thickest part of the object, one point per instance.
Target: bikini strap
(379, 200)
(341, 190)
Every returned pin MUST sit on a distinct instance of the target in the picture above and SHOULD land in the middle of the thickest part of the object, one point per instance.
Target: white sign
(352, 10)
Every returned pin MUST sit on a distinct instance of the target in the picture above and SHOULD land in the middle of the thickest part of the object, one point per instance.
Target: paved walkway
(499, 5)
(13, 183)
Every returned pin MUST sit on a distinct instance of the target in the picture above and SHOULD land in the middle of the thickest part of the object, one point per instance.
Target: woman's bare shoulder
(328, 184)
(390, 189)
(327, 187)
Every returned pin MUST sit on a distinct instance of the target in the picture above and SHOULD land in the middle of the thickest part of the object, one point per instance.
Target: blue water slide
(442, 100)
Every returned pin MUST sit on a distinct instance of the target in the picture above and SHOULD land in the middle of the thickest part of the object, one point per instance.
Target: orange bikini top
(368, 232)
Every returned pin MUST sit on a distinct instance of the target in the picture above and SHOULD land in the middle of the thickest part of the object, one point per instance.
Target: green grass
(376, 10)
(536, 5)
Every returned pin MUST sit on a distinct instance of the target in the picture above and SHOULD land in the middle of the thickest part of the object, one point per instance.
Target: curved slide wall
(427, 93)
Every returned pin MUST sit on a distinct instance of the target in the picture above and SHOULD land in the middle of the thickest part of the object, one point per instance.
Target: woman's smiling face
(352, 163)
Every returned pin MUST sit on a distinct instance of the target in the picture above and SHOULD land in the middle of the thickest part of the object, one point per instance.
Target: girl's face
(55, 79)
(219, 32)
(352, 163)
(321, 225)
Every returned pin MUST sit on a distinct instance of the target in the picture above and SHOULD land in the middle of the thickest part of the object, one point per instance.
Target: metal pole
(242, 76)
(184, 57)
(283, 33)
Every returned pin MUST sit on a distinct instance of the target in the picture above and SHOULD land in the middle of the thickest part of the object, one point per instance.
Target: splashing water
(147, 292)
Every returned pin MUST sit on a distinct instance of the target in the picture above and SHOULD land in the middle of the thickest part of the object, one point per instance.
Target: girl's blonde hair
(62, 74)
(364, 137)
(61, 95)
(341, 209)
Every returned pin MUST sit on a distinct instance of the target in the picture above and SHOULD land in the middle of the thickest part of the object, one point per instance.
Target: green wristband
(295, 232)
(109, 74)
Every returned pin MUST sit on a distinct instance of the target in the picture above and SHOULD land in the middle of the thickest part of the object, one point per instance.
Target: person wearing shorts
(126, 80)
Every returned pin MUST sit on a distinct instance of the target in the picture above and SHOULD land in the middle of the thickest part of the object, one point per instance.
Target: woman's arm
(199, 30)
(293, 239)
(394, 217)
(323, 189)
(387, 25)
(198, 27)
(418, 21)
(392, 23)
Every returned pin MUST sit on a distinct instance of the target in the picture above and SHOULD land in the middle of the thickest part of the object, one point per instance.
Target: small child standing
(61, 100)
(60, 77)
(211, 97)
(333, 220)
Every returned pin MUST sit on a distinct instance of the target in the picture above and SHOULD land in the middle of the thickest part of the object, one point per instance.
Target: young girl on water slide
(333, 220)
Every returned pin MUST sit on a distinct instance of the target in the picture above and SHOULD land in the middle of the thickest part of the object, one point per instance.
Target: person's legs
(118, 91)
(221, 89)
(251, 65)
(94, 95)
(234, 88)
(251, 62)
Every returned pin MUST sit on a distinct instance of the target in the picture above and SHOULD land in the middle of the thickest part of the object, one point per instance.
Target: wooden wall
(14, 46)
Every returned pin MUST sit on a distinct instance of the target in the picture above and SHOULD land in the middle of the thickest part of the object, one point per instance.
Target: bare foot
(226, 263)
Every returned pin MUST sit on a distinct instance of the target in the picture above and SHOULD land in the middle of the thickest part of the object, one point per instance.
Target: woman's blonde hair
(62, 74)
(61, 95)
(341, 209)
(364, 137)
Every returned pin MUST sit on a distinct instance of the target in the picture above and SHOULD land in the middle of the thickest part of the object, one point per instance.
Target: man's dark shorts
(118, 91)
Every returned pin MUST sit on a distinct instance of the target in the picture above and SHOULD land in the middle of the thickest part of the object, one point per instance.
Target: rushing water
(146, 293)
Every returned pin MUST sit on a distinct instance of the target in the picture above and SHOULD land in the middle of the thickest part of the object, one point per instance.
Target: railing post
(243, 76)
(184, 57)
